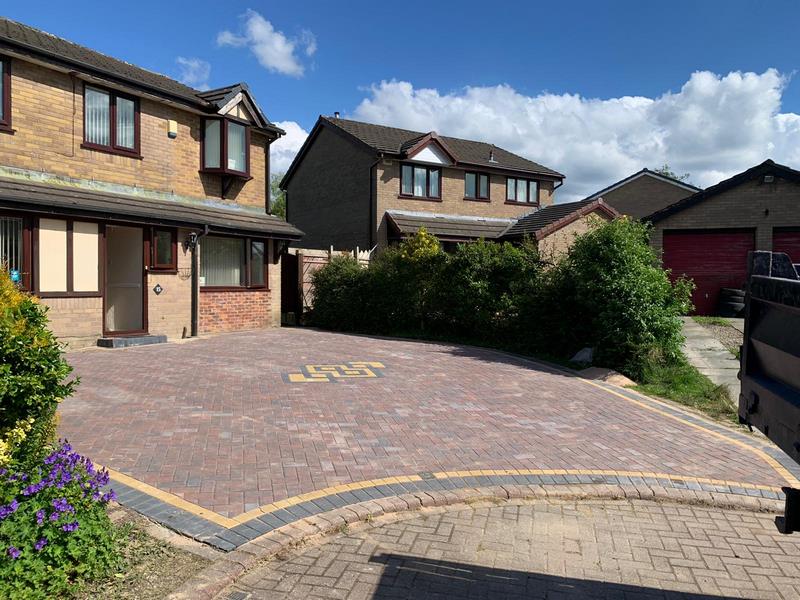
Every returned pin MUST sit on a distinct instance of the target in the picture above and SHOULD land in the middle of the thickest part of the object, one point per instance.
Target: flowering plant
(54, 530)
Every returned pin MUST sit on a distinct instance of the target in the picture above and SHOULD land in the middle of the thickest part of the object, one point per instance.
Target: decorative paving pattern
(332, 373)
(212, 429)
(592, 549)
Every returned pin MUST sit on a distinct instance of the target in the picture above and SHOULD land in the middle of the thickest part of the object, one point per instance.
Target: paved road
(544, 549)
(235, 422)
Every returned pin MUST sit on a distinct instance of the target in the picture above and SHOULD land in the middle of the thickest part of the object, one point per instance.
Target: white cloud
(714, 127)
(194, 72)
(274, 50)
(283, 150)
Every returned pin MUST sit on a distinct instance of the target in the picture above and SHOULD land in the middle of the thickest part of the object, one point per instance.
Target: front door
(124, 296)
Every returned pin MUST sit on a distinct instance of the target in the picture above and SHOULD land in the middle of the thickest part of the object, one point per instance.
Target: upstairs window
(226, 147)
(5, 94)
(522, 191)
(110, 122)
(420, 182)
(476, 186)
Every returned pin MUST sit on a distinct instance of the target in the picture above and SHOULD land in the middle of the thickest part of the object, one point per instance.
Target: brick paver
(217, 422)
(634, 550)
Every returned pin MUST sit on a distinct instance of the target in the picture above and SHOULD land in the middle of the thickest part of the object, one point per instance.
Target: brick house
(130, 203)
(361, 185)
(643, 193)
(706, 236)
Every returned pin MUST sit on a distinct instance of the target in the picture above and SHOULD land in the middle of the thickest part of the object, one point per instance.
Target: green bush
(611, 294)
(33, 376)
(54, 530)
(608, 292)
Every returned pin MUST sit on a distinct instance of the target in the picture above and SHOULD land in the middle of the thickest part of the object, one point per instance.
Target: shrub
(610, 293)
(32, 376)
(54, 530)
(337, 293)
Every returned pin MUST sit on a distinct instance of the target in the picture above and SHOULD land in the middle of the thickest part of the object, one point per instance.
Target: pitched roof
(392, 140)
(644, 173)
(447, 227)
(59, 199)
(32, 41)
(768, 167)
(544, 221)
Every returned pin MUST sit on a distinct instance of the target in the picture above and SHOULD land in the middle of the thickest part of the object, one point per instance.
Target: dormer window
(226, 147)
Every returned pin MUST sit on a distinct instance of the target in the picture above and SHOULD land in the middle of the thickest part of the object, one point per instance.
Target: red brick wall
(234, 311)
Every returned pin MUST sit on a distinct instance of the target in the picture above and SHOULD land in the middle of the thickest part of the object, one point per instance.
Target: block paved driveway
(592, 549)
(217, 422)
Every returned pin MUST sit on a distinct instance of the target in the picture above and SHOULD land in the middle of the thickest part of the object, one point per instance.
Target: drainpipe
(373, 184)
(196, 281)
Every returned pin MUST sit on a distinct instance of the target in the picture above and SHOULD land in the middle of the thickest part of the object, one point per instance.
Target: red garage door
(713, 259)
(787, 240)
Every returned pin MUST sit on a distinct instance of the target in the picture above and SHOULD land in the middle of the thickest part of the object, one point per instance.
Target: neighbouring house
(707, 235)
(555, 227)
(643, 193)
(360, 185)
(130, 203)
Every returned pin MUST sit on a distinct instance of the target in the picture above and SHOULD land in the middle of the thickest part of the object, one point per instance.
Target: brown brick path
(592, 549)
(213, 420)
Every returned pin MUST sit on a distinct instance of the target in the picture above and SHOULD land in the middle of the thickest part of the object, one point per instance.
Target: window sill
(109, 150)
(7, 129)
(232, 288)
(515, 203)
(466, 199)
(237, 174)
(422, 198)
(69, 294)
(162, 271)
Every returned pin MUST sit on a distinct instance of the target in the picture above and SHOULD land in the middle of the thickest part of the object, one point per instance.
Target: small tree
(33, 376)
(277, 196)
(667, 172)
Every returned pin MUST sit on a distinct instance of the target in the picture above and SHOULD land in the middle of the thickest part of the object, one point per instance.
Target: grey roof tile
(393, 140)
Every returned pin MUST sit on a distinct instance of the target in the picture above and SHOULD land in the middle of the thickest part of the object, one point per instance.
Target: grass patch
(149, 569)
(684, 384)
(721, 321)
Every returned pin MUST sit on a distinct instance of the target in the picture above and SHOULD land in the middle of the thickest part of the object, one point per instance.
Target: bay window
(522, 191)
(5, 94)
(420, 182)
(227, 262)
(110, 122)
(476, 186)
(226, 147)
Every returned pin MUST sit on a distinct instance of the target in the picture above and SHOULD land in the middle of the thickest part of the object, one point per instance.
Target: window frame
(477, 197)
(27, 280)
(5, 100)
(223, 147)
(428, 169)
(113, 147)
(155, 266)
(101, 258)
(532, 188)
(248, 286)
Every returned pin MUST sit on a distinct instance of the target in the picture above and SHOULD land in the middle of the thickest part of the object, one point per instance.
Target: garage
(714, 259)
(787, 239)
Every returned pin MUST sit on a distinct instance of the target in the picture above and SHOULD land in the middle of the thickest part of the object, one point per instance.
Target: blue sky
(523, 74)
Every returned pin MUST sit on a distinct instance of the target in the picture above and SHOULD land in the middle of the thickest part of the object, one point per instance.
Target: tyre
(731, 294)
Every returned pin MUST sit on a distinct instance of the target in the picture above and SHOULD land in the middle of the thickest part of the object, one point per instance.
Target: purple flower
(9, 509)
(40, 544)
(40, 516)
(55, 516)
(13, 552)
(61, 505)
(70, 526)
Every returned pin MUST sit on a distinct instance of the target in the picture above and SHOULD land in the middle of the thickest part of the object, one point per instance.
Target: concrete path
(547, 548)
(711, 358)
